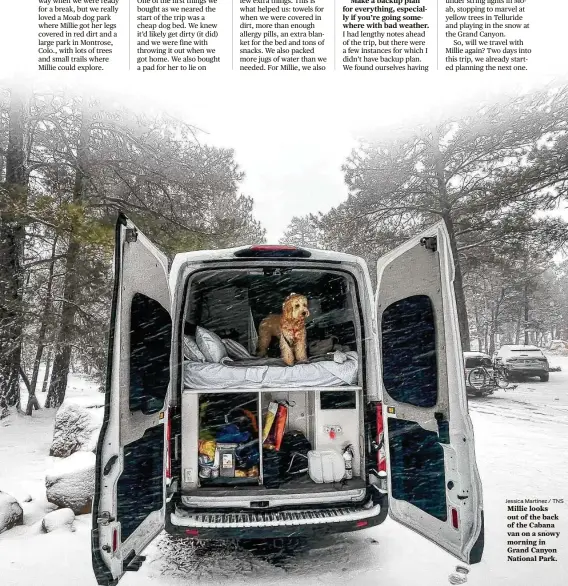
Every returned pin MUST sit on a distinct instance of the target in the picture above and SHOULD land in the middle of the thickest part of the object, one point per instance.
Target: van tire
(544, 378)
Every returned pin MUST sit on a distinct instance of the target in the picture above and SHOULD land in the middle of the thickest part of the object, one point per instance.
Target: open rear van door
(433, 482)
(129, 501)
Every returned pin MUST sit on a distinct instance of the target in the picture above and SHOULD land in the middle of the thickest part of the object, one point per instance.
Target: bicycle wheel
(477, 378)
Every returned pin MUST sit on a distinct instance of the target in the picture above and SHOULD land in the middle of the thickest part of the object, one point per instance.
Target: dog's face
(295, 307)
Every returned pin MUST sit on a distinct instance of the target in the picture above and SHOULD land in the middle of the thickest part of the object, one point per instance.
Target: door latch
(429, 243)
(109, 465)
(443, 428)
(105, 518)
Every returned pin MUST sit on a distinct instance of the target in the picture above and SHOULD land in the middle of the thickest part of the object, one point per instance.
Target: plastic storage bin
(325, 466)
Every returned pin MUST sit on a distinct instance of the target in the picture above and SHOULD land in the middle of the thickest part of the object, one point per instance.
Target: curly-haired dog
(289, 327)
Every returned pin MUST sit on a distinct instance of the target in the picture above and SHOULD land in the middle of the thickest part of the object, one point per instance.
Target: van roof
(224, 254)
(229, 254)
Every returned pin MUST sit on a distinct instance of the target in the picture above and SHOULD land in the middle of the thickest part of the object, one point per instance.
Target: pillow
(235, 350)
(210, 345)
(191, 349)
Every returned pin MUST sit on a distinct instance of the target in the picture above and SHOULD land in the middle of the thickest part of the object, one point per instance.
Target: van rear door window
(150, 341)
(409, 351)
(233, 303)
(338, 400)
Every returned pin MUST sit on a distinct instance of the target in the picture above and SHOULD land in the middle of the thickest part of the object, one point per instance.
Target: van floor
(301, 485)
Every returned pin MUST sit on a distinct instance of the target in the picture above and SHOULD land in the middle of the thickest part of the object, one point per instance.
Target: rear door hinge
(105, 518)
(133, 562)
(443, 428)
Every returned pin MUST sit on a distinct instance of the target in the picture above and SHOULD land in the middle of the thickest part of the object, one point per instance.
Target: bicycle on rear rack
(480, 378)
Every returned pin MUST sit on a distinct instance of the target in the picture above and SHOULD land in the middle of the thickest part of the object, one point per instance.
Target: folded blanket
(259, 361)
(320, 371)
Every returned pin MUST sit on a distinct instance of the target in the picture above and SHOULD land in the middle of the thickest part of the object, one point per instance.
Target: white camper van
(184, 441)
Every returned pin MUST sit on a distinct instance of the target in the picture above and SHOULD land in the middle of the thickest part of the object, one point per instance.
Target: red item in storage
(280, 425)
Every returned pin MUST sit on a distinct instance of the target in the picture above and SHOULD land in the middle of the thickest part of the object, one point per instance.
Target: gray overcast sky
(291, 132)
(291, 138)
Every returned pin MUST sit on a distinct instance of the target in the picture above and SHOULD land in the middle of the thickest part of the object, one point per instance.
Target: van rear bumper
(182, 522)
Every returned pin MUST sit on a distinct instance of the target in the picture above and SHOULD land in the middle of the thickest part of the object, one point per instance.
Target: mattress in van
(327, 373)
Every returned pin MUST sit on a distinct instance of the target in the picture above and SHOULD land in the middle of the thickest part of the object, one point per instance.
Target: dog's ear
(287, 309)
(287, 299)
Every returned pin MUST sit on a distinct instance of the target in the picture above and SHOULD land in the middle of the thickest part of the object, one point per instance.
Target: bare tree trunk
(492, 335)
(526, 310)
(478, 328)
(463, 321)
(47, 370)
(62, 361)
(32, 399)
(13, 198)
(43, 328)
(518, 327)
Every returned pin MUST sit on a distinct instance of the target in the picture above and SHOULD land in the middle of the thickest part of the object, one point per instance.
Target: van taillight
(114, 539)
(271, 247)
(168, 447)
(455, 519)
(381, 456)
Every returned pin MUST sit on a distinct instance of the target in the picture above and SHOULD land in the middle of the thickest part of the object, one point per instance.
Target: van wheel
(544, 378)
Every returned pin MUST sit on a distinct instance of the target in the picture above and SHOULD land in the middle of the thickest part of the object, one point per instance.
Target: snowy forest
(68, 163)
(498, 179)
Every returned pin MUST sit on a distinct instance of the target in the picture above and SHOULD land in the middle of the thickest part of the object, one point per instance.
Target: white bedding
(207, 375)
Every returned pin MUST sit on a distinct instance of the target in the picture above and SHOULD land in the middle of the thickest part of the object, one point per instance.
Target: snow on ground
(522, 447)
